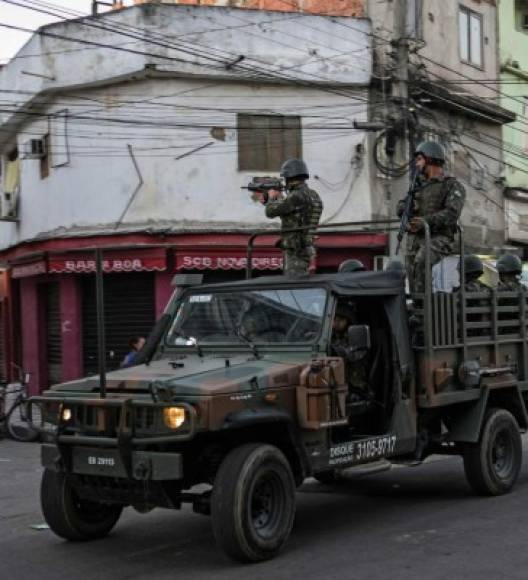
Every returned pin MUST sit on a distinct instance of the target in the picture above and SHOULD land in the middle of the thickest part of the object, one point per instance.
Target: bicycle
(20, 418)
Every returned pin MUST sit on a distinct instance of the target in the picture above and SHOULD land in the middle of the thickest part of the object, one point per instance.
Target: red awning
(127, 260)
(227, 259)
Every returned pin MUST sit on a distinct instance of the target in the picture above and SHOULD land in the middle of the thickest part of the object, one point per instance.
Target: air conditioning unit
(34, 149)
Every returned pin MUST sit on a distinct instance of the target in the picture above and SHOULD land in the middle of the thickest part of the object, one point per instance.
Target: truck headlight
(174, 417)
(66, 414)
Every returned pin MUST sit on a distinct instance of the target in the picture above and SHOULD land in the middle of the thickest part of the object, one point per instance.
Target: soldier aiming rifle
(300, 208)
(261, 186)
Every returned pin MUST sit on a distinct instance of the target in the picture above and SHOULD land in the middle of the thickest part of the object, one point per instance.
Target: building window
(11, 185)
(471, 39)
(265, 141)
(45, 158)
(415, 19)
(521, 15)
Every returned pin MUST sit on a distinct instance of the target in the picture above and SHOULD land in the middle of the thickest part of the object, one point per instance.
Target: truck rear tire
(70, 517)
(253, 502)
(492, 465)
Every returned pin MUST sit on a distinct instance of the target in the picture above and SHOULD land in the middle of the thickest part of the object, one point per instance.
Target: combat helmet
(351, 266)
(294, 168)
(431, 150)
(473, 265)
(509, 264)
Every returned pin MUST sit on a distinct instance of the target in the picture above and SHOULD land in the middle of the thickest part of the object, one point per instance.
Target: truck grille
(101, 420)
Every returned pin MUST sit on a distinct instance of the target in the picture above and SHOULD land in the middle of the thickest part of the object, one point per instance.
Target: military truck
(240, 398)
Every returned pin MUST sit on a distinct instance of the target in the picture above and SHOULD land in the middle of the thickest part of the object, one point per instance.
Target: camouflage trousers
(296, 265)
(440, 247)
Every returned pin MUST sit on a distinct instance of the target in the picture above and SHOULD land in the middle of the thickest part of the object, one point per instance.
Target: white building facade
(135, 131)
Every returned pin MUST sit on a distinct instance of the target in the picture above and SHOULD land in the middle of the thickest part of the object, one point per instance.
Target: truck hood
(194, 375)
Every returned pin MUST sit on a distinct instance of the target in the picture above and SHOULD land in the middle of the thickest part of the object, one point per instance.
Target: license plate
(91, 461)
(362, 450)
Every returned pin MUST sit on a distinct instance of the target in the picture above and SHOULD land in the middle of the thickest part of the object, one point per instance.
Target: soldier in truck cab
(356, 372)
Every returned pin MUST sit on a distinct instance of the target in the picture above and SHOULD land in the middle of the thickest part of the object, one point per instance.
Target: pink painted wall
(33, 351)
(71, 327)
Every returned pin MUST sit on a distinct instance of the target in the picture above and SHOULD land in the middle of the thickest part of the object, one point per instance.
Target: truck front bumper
(107, 462)
(111, 437)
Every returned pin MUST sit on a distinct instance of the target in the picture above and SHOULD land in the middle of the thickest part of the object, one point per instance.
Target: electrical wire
(388, 170)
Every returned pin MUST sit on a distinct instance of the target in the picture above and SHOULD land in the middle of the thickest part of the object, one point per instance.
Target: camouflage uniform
(476, 286)
(438, 202)
(302, 207)
(355, 364)
(509, 283)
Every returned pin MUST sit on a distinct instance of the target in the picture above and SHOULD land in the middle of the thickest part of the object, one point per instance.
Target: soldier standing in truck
(302, 207)
(438, 203)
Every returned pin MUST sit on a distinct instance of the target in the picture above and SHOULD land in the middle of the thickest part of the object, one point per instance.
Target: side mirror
(359, 336)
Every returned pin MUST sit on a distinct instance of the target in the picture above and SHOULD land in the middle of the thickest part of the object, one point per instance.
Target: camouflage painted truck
(239, 390)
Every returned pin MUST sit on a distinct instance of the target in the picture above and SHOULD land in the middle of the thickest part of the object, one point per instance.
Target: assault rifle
(264, 185)
(408, 209)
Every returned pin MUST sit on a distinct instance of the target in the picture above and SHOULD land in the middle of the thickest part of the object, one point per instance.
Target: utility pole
(400, 105)
(400, 86)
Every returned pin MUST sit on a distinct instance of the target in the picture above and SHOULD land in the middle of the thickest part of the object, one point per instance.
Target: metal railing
(313, 230)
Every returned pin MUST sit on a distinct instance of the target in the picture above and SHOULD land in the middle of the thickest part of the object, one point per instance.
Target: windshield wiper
(244, 337)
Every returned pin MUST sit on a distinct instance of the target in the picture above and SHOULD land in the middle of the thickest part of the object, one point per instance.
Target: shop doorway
(129, 312)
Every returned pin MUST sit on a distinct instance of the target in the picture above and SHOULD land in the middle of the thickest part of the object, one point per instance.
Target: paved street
(405, 523)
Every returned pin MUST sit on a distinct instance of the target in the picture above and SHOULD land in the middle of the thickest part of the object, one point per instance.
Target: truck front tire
(253, 502)
(71, 517)
(492, 465)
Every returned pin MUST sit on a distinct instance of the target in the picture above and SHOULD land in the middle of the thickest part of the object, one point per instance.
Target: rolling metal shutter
(53, 320)
(129, 312)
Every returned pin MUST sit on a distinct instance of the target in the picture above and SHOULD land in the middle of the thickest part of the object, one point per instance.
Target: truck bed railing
(485, 329)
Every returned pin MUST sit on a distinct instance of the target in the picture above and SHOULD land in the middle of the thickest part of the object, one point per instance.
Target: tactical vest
(309, 215)
(312, 216)
(430, 199)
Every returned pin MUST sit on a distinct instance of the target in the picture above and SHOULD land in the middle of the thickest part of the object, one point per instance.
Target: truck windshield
(257, 316)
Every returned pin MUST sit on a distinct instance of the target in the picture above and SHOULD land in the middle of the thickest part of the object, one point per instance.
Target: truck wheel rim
(267, 505)
(502, 454)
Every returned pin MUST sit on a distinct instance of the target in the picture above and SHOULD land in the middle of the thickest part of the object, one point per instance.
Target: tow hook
(142, 470)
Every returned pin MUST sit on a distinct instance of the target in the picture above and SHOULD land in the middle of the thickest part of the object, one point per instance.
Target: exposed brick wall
(333, 7)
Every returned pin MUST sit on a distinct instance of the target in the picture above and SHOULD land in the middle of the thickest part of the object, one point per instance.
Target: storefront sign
(212, 262)
(132, 261)
(25, 270)
(81, 266)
